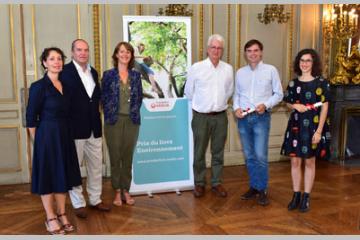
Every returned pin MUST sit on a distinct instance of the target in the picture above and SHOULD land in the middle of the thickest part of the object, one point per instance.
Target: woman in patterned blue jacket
(121, 100)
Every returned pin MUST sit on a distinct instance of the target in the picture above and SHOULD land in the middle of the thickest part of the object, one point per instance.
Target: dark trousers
(121, 140)
(209, 127)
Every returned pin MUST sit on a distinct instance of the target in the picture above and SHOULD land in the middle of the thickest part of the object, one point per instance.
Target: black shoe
(295, 201)
(263, 199)
(250, 194)
(305, 203)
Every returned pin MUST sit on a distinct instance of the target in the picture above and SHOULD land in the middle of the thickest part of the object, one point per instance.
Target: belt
(209, 113)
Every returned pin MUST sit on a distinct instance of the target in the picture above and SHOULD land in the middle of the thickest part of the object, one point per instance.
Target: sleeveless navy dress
(55, 166)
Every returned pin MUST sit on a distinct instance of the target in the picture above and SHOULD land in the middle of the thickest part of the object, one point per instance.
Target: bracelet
(317, 132)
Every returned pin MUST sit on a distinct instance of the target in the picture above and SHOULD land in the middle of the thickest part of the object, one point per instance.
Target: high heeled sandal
(68, 227)
(59, 231)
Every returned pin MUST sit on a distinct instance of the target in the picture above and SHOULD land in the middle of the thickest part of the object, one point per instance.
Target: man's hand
(238, 113)
(260, 108)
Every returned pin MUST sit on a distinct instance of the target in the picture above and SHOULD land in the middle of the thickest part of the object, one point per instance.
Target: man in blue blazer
(86, 125)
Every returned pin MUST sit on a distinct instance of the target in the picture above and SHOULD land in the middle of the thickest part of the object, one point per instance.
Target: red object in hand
(310, 106)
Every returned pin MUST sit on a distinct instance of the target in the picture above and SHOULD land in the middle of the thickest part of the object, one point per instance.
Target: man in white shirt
(209, 85)
(257, 87)
(86, 125)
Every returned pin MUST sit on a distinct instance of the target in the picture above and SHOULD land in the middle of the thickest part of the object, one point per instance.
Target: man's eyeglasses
(216, 48)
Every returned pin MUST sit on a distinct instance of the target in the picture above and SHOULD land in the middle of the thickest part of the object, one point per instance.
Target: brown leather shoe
(219, 190)
(101, 207)
(199, 191)
(80, 212)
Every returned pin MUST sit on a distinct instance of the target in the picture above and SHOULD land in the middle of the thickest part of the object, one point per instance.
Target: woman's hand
(316, 138)
(300, 107)
(32, 132)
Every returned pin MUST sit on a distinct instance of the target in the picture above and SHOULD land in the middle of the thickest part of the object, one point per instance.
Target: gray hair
(217, 37)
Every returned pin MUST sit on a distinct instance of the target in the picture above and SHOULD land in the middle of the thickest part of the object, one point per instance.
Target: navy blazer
(111, 95)
(84, 111)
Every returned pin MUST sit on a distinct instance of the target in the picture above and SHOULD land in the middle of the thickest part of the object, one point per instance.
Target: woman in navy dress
(55, 168)
(307, 135)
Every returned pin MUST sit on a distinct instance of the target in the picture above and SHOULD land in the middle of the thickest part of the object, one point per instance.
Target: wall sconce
(273, 12)
(176, 10)
(340, 22)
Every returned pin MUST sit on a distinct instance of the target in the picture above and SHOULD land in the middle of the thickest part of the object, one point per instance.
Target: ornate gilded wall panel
(9, 114)
(46, 25)
(8, 86)
(10, 139)
(238, 36)
(55, 25)
(201, 32)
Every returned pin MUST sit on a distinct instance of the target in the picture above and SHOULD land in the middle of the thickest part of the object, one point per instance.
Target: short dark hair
(129, 48)
(316, 69)
(253, 42)
(46, 52)
(77, 40)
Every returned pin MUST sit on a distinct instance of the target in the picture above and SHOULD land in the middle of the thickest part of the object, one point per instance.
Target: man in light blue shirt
(257, 89)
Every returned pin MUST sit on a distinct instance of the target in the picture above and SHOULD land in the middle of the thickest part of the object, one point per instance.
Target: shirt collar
(79, 68)
(257, 66)
(210, 64)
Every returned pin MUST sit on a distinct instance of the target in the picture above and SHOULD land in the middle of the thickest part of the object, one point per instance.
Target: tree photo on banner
(161, 55)
(163, 156)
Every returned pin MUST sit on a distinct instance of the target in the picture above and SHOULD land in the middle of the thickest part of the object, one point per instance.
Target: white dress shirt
(86, 78)
(209, 87)
(257, 86)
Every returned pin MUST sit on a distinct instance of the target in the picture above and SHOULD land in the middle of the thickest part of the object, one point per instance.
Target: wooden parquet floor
(335, 208)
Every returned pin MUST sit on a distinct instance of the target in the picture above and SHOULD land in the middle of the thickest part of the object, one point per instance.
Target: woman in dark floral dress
(307, 135)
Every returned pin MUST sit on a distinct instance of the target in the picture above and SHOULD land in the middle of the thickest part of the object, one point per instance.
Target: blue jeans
(254, 135)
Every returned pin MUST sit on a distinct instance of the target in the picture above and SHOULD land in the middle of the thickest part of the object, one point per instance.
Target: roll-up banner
(163, 156)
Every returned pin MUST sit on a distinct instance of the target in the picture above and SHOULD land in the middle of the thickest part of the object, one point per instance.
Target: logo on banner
(162, 105)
